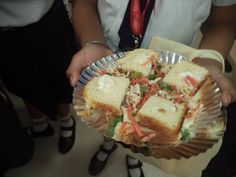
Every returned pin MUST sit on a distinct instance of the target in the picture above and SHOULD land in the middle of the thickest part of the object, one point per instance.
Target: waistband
(57, 4)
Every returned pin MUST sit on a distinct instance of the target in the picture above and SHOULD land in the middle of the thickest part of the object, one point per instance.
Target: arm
(218, 34)
(219, 29)
(86, 23)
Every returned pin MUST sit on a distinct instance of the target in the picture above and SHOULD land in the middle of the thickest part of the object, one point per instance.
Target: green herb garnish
(159, 66)
(152, 77)
(164, 86)
(112, 124)
(135, 75)
(143, 89)
(185, 134)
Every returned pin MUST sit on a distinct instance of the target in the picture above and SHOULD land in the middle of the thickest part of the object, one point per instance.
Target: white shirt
(177, 20)
(14, 13)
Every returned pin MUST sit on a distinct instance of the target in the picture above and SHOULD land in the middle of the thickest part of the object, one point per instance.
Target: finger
(74, 77)
(227, 88)
(73, 72)
(226, 98)
(68, 73)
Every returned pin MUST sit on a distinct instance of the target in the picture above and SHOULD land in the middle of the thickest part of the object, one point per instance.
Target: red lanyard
(137, 20)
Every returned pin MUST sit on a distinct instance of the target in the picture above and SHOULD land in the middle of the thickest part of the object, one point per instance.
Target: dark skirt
(34, 59)
(224, 163)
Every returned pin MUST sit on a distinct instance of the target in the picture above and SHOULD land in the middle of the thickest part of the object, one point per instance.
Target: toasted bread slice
(186, 77)
(106, 93)
(164, 116)
(139, 60)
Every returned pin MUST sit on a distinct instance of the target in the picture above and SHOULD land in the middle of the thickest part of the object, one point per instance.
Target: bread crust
(205, 87)
(165, 135)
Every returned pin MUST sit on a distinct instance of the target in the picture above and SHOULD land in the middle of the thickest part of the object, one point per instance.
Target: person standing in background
(37, 43)
(103, 27)
(17, 147)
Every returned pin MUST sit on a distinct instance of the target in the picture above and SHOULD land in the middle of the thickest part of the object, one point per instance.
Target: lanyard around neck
(137, 20)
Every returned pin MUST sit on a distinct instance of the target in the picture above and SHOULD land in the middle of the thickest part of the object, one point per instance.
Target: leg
(17, 147)
(99, 159)
(58, 57)
(134, 167)
(63, 109)
(41, 128)
(33, 111)
(53, 52)
(68, 127)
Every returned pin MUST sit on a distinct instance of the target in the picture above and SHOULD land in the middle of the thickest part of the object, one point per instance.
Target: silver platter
(209, 125)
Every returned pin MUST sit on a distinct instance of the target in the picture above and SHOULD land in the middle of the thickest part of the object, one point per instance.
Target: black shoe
(96, 165)
(66, 143)
(138, 165)
(45, 133)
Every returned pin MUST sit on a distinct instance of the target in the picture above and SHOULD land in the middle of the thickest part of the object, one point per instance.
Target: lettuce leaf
(112, 124)
(185, 134)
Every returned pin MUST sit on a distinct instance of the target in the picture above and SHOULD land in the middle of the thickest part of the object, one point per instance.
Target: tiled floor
(48, 162)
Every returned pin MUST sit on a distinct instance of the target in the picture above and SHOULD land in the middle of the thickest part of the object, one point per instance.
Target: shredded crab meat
(148, 137)
(134, 95)
(95, 114)
(165, 94)
(125, 114)
(154, 81)
(108, 116)
(130, 130)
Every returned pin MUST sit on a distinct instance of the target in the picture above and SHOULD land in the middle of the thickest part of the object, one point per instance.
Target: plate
(209, 125)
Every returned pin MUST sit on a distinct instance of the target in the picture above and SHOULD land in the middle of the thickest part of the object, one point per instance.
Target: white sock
(136, 171)
(66, 121)
(108, 145)
(39, 124)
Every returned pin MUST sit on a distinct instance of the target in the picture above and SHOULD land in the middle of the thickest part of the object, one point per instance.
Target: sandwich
(164, 116)
(139, 60)
(186, 77)
(106, 93)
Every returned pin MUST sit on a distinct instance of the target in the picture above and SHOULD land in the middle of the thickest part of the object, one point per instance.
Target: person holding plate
(104, 27)
(37, 43)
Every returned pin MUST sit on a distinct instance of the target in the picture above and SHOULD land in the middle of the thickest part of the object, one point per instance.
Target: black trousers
(16, 147)
(34, 59)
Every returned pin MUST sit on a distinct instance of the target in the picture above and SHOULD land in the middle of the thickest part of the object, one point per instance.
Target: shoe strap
(138, 165)
(135, 167)
(39, 121)
(107, 151)
(31, 131)
(71, 128)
